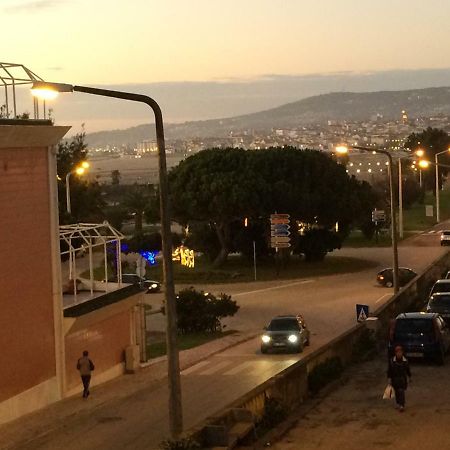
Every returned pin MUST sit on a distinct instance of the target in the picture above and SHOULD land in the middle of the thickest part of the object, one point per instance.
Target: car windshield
(446, 233)
(441, 287)
(283, 325)
(405, 328)
(440, 301)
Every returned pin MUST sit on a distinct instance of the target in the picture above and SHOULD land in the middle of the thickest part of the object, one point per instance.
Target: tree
(136, 201)
(220, 187)
(433, 141)
(86, 196)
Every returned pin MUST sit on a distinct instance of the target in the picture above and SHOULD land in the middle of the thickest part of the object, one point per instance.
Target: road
(140, 420)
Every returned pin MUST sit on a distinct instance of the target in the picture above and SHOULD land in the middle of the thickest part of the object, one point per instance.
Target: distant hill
(317, 109)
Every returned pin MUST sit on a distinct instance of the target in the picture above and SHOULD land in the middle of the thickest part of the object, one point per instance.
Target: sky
(219, 42)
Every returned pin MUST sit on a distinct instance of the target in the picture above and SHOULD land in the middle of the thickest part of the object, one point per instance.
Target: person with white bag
(399, 373)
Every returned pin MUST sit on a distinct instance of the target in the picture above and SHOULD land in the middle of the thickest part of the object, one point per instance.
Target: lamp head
(341, 150)
(49, 91)
(424, 164)
(80, 170)
(85, 165)
(420, 152)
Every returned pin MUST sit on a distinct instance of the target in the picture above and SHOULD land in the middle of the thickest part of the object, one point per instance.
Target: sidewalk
(355, 417)
(17, 434)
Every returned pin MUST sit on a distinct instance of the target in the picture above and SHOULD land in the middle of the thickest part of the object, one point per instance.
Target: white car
(445, 237)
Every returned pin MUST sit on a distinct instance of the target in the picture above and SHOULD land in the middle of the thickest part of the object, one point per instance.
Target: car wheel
(307, 343)
(299, 349)
(440, 359)
(264, 350)
(389, 284)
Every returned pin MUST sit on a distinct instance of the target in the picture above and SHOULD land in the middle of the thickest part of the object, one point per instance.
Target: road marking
(273, 288)
(381, 298)
(194, 367)
(240, 368)
(215, 368)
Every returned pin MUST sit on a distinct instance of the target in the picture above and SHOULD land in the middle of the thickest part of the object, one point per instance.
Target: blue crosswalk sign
(362, 312)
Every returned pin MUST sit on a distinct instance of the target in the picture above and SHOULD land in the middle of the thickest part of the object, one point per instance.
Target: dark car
(422, 335)
(439, 303)
(288, 333)
(440, 286)
(150, 286)
(386, 276)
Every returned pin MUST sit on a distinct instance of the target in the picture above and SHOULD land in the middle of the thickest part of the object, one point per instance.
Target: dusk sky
(111, 42)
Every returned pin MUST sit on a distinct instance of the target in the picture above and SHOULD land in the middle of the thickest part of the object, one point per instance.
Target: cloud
(32, 6)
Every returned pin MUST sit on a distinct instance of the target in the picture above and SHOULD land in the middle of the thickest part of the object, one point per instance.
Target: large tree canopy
(223, 186)
(433, 141)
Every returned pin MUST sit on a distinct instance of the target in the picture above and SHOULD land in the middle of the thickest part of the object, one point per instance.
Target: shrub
(202, 312)
(316, 243)
(273, 414)
(325, 372)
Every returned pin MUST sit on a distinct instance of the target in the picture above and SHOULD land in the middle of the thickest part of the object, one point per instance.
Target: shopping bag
(388, 392)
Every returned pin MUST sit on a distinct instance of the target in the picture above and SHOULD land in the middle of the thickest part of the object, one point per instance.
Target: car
(422, 335)
(439, 303)
(150, 286)
(445, 237)
(288, 333)
(386, 276)
(440, 286)
(447, 275)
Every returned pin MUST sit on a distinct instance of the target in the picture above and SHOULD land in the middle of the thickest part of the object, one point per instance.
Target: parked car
(447, 275)
(422, 335)
(288, 333)
(386, 276)
(150, 286)
(439, 303)
(445, 237)
(440, 286)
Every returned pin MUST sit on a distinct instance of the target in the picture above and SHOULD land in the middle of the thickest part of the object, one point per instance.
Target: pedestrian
(399, 373)
(85, 366)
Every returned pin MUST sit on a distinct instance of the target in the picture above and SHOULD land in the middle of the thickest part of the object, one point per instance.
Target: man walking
(85, 366)
(399, 372)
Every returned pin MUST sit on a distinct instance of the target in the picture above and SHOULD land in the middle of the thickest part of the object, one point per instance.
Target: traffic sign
(280, 239)
(280, 245)
(378, 215)
(280, 216)
(362, 312)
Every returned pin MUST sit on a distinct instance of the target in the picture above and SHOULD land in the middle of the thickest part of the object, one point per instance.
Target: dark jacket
(399, 372)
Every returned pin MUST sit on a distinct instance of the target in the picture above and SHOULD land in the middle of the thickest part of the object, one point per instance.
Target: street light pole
(393, 217)
(400, 199)
(175, 407)
(438, 206)
(69, 209)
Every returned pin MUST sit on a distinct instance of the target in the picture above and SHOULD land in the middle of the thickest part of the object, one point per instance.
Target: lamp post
(48, 90)
(342, 149)
(79, 171)
(438, 208)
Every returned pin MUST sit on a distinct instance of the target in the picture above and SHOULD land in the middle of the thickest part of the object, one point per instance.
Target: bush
(316, 243)
(331, 369)
(180, 444)
(202, 312)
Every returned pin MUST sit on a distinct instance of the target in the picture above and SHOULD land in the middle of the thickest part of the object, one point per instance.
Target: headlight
(265, 339)
(154, 286)
(293, 338)
(380, 277)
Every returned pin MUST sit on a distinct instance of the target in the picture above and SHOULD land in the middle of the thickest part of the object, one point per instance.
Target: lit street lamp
(175, 408)
(79, 171)
(342, 150)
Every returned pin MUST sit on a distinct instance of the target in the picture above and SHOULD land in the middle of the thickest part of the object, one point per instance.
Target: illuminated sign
(185, 256)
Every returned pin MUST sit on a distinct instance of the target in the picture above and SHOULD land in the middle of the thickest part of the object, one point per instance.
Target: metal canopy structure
(84, 237)
(12, 75)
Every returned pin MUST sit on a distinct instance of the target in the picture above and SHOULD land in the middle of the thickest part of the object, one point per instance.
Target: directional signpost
(279, 231)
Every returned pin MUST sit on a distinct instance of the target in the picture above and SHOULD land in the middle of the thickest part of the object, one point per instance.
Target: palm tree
(136, 201)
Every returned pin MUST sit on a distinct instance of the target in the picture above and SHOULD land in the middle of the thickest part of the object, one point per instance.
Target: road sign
(378, 215)
(429, 210)
(362, 312)
(280, 216)
(280, 245)
(280, 239)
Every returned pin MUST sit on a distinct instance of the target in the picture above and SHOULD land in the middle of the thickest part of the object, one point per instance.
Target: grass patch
(356, 239)
(239, 269)
(185, 342)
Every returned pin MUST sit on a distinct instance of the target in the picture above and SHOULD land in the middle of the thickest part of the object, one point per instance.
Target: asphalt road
(328, 304)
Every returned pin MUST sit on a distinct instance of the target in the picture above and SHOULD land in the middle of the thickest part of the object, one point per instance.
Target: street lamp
(175, 408)
(79, 171)
(438, 208)
(342, 150)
